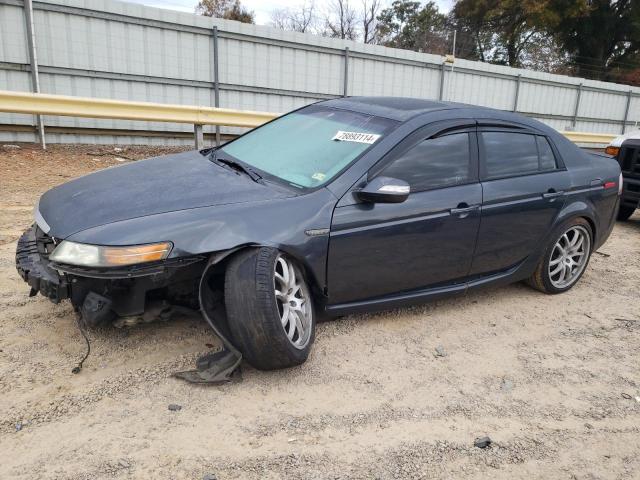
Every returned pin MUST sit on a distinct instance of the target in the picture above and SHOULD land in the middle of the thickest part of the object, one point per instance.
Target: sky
(262, 8)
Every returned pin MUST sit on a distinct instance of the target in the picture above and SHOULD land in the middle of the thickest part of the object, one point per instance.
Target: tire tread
(252, 313)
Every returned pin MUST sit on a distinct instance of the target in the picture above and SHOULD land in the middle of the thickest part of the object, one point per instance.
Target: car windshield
(309, 147)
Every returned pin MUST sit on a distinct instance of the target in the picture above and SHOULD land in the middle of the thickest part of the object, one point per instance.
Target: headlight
(84, 255)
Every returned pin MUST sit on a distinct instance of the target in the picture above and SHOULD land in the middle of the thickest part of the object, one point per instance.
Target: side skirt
(514, 274)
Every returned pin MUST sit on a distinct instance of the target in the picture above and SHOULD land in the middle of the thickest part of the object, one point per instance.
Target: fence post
(35, 78)
(515, 99)
(216, 80)
(442, 70)
(198, 134)
(575, 111)
(345, 86)
(626, 111)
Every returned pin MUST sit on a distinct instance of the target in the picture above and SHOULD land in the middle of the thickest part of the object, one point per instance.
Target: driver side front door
(380, 249)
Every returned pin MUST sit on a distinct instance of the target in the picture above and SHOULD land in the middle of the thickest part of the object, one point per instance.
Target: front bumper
(103, 294)
(32, 263)
(630, 191)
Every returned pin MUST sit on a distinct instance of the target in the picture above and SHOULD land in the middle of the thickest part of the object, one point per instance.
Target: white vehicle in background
(626, 149)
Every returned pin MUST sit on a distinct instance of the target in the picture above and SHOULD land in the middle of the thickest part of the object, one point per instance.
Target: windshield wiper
(238, 166)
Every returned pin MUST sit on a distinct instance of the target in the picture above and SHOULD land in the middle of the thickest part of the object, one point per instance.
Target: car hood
(159, 185)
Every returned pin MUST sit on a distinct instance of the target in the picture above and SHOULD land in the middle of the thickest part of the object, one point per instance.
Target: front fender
(298, 226)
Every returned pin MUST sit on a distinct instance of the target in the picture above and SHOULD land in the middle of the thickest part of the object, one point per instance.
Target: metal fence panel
(13, 35)
(112, 49)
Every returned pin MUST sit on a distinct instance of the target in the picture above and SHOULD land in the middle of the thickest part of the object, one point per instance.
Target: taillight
(612, 150)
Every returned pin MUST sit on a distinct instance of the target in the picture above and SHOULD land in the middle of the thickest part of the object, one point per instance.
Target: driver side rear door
(381, 249)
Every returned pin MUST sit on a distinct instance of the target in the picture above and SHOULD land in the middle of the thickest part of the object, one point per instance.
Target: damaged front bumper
(103, 295)
(34, 267)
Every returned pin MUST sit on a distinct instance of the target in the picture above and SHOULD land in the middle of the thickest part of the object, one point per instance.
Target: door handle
(552, 194)
(463, 209)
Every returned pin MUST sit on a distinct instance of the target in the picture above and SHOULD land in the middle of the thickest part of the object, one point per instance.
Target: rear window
(510, 154)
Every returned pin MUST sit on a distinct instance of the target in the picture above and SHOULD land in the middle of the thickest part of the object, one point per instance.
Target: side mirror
(384, 190)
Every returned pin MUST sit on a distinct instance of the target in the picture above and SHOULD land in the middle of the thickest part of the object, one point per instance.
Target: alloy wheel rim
(569, 256)
(293, 301)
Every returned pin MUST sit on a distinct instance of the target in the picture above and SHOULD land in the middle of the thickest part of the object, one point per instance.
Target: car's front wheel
(565, 259)
(269, 308)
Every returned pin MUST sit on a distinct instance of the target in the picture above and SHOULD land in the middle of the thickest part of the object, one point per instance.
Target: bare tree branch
(300, 19)
(340, 20)
(370, 12)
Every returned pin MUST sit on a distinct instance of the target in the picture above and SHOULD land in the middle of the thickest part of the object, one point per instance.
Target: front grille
(630, 159)
(633, 187)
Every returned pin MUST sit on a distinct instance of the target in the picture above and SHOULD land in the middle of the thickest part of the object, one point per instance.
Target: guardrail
(590, 138)
(45, 104)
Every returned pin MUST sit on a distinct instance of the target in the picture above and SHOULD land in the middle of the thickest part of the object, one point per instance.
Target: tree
(503, 29)
(227, 9)
(340, 20)
(370, 12)
(410, 25)
(302, 19)
(601, 37)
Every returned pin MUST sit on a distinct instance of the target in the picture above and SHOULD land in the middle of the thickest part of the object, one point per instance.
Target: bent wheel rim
(294, 302)
(569, 256)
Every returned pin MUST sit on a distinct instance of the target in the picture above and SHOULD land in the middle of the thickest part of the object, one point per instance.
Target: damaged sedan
(346, 205)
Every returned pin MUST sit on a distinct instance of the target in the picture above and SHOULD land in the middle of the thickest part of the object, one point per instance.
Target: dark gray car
(343, 206)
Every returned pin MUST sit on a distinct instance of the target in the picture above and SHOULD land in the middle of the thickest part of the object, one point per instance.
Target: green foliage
(503, 29)
(410, 25)
(601, 37)
(227, 9)
(592, 38)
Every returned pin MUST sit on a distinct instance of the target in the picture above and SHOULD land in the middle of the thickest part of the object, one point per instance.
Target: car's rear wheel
(625, 212)
(565, 259)
(269, 308)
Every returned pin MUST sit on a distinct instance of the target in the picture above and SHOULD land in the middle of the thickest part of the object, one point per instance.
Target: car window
(547, 158)
(508, 154)
(309, 147)
(433, 163)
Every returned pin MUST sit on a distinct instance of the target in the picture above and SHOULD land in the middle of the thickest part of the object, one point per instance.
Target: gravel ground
(554, 381)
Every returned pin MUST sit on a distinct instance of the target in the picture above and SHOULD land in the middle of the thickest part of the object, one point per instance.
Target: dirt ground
(553, 380)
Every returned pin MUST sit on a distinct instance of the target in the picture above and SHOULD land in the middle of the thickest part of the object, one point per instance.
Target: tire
(625, 212)
(255, 314)
(542, 278)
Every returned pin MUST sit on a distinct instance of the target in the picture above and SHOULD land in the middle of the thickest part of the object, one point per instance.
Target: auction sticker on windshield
(357, 137)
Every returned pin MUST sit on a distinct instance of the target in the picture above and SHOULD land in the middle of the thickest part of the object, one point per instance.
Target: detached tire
(565, 259)
(269, 309)
(625, 212)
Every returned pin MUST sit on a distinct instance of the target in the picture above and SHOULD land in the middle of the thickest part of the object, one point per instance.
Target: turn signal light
(136, 254)
(612, 151)
(85, 255)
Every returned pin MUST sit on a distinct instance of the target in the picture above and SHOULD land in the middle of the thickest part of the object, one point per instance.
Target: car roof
(403, 109)
(395, 108)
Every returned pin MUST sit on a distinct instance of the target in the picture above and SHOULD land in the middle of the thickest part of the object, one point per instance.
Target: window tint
(433, 163)
(547, 159)
(509, 153)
